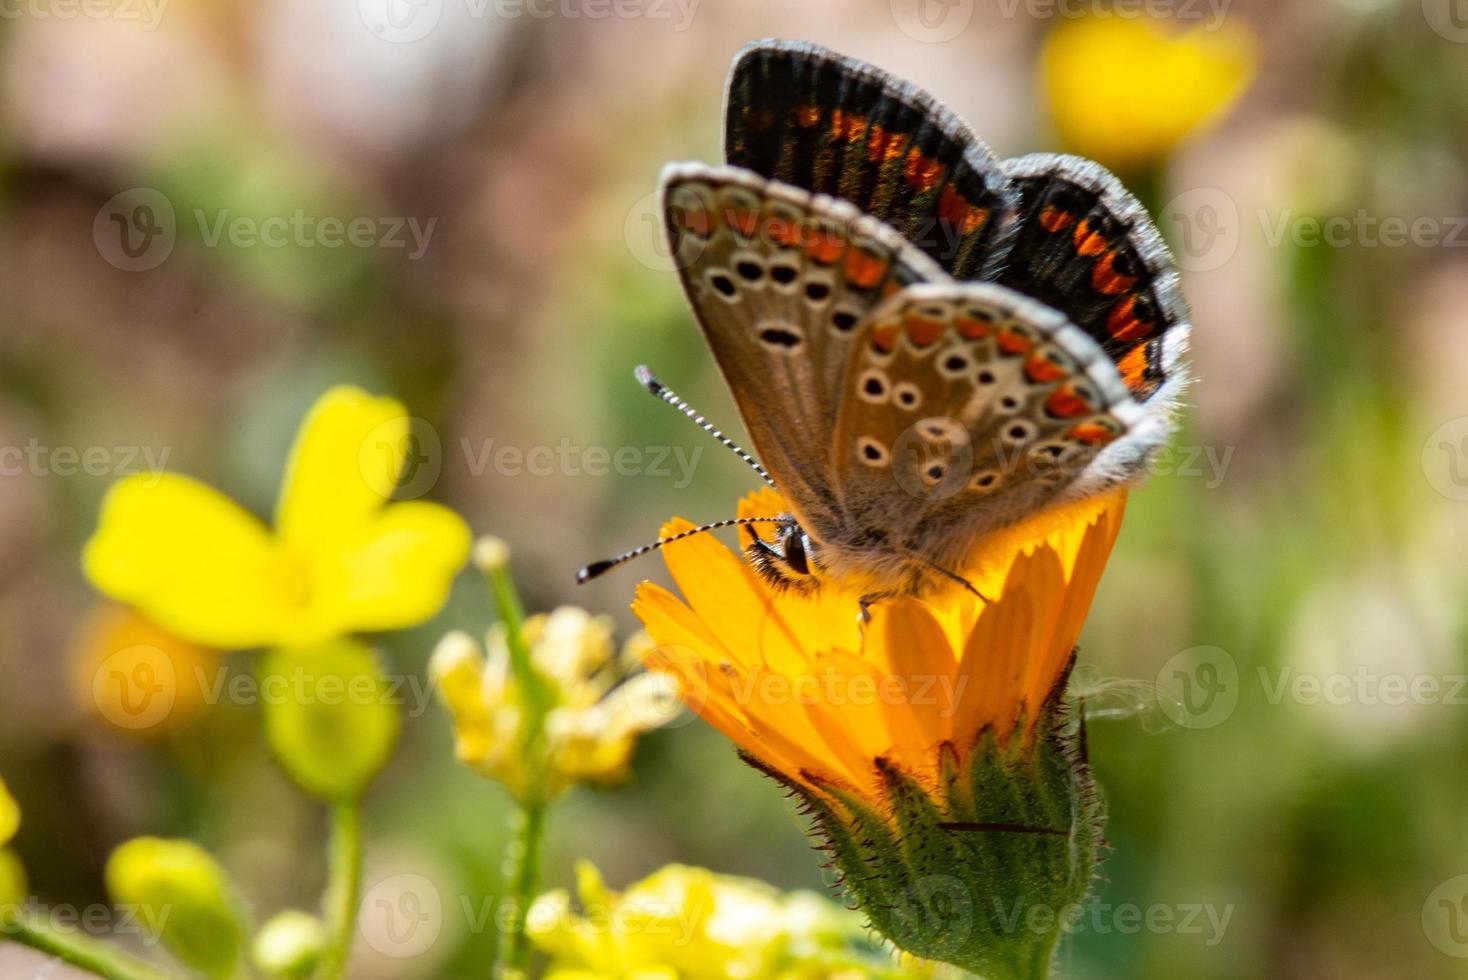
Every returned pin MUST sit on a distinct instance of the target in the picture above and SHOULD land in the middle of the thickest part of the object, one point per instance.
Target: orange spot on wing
(847, 126)
(883, 146)
(864, 269)
(921, 330)
(1107, 280)
(1133, 366)
(1088, 242)
(954, 208)
(695, 221)
(1123, 324)
(1012, 343)
(884, 337)
(1066, 403)
(1092, 433)
(922, 171)
(1054, 220)
(970, 328)
(823, 247)
(1041, 369)
(744, 221)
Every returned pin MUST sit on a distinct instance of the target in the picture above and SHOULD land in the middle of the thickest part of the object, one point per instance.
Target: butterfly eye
(872, 452)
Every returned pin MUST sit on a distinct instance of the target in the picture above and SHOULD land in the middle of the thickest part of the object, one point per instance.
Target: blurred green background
(1294, 803)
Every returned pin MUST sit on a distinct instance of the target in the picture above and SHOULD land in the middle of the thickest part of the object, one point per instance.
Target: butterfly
(926, 344)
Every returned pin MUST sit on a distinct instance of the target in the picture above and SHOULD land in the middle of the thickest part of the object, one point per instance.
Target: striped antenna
(597, 568)
(645, 378)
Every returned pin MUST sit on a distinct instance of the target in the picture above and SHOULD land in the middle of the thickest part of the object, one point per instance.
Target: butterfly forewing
(780, 280)
(801, 114)
(1087, 247)
(968, 406)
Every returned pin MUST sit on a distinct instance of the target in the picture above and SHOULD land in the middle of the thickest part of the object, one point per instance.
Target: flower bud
(290, 945)
(182, 896)
(329, 716)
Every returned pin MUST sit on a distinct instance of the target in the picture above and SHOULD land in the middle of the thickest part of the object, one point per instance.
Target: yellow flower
(940, 720)
(1125, 91)
(685, 923)
(12, 875)
(597, 703)
(341, 557)
(137, 677)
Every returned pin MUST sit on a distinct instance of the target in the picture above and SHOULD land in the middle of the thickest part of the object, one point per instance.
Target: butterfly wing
(1088, 248)
(780, 280)
(804, 115)
(968, 407)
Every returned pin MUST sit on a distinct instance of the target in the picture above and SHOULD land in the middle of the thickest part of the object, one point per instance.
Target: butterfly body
(926, 344)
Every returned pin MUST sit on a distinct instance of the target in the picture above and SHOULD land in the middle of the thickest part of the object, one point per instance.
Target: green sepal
(984, 870)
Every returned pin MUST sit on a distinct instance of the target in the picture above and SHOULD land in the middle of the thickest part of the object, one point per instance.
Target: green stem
(342, 888)
(513, 960)
(78, 951)
(512, 615)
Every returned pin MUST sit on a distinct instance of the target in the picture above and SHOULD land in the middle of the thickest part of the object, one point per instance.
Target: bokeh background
(1293, 804)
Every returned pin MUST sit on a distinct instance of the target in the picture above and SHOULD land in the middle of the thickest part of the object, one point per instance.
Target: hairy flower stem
(343, 886)
(78, 951)
(513, 957)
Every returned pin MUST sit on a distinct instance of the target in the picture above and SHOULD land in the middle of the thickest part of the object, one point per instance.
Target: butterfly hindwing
(780, 280)
(804, 115)
(968, 406)
(1087, 247)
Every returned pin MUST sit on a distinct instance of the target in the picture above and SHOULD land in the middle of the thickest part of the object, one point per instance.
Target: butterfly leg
(866, 604)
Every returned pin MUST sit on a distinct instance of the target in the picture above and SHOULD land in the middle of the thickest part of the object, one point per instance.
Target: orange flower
(930, 747)
(797, 683)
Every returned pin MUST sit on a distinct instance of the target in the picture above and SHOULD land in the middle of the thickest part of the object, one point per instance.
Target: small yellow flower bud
(290, 945)
(329, 716)
(182, 896)
(490, 554)
(9, 815)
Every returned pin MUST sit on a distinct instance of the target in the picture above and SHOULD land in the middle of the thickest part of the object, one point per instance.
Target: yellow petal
(345, 464)
(196, 562)
(9, 815)
(394, 571)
